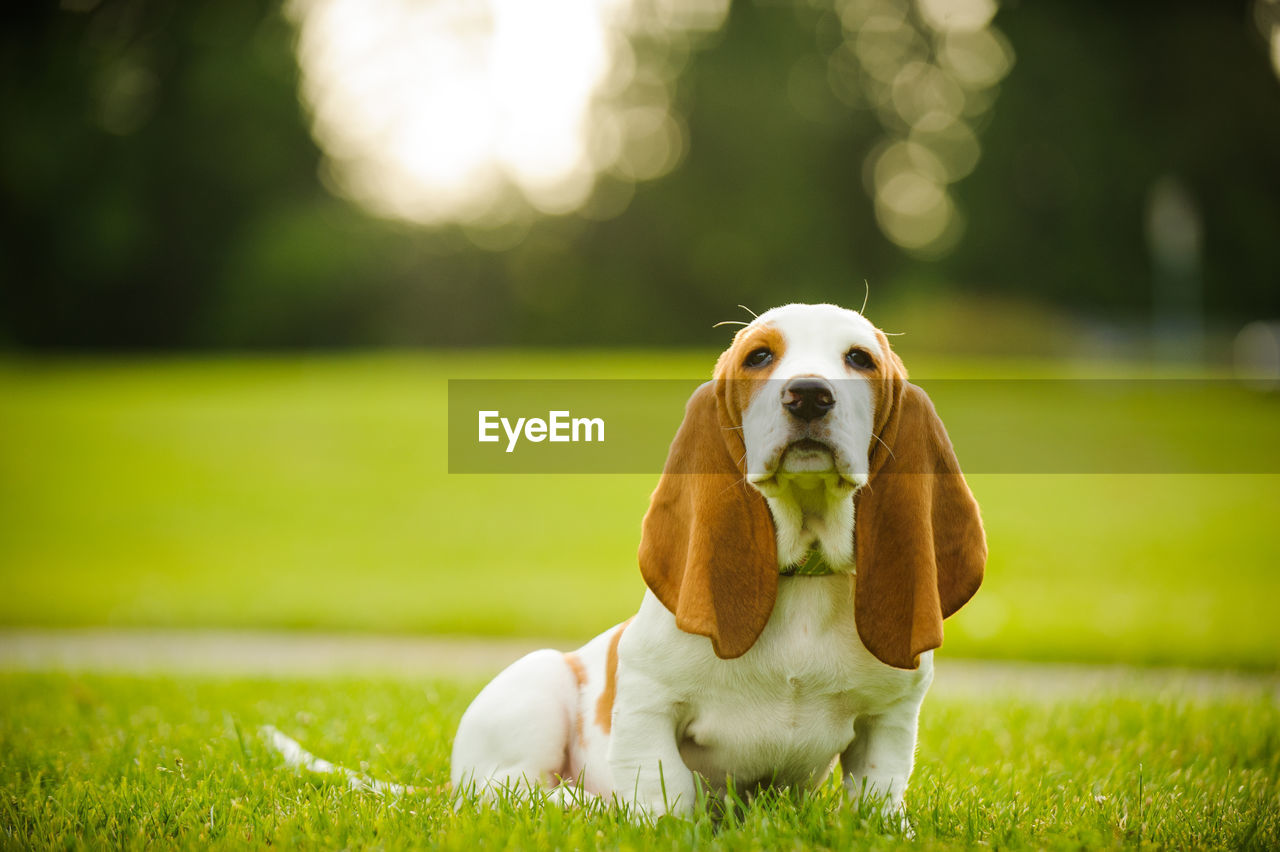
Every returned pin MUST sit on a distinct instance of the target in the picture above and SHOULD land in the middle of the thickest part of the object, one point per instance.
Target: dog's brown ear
(921, 548)
(707, 548)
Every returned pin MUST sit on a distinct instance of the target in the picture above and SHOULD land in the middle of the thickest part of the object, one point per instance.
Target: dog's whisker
(865, 296)
(730, 322)
(886, 446)
(748, 310)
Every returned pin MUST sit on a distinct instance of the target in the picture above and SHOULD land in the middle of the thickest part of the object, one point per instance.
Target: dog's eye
(758, 357)
(858, 359)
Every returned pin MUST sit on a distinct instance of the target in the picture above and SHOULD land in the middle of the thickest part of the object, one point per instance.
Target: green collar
(814, 564)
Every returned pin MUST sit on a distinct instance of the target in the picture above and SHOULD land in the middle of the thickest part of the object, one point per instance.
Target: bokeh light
(1256, 355)
(491, 112)
(929, 71)
(488, 112)
(1266, 13)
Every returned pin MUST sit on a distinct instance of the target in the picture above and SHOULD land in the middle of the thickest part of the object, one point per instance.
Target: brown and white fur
(809, 434)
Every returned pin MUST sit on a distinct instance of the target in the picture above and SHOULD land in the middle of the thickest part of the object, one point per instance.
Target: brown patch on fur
(575, 666)
(739, 383)
(707, 547)
(707, 550)
(921, 548)
(890, 372)
(580, 677)
(604, 706)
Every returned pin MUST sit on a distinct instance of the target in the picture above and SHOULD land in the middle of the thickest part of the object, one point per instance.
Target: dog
(809, 533)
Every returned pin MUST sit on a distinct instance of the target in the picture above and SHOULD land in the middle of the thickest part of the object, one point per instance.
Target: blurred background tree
(162, 188)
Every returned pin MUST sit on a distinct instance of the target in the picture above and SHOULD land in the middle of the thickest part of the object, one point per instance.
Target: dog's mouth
(809, 445)
(809, 463)
(808, 456)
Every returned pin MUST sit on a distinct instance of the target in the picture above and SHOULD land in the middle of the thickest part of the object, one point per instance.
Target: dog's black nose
(808, 398)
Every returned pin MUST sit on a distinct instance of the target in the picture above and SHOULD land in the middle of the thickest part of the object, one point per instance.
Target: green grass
(312, 492)
(129, 762)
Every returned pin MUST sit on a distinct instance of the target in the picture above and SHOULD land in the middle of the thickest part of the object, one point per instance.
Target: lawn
(89, 761)
(313, 492)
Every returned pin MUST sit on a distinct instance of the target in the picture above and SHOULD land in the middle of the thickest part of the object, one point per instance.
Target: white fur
(807, 695)
(817, 507)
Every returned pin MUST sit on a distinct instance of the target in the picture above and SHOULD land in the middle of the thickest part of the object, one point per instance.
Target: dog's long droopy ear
(707, 549)
(921, 548)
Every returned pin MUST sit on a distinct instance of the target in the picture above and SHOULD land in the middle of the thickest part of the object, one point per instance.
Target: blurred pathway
(301, 654)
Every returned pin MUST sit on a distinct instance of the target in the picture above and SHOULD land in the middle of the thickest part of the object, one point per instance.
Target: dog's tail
(296, 756)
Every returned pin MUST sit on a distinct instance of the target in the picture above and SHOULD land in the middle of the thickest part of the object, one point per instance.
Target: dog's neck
(813, 510)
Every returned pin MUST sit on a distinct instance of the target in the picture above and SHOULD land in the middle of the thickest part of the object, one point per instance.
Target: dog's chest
(783, 710)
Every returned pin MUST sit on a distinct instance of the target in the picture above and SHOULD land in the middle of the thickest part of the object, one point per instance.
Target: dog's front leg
(879, 760)
(644, 757)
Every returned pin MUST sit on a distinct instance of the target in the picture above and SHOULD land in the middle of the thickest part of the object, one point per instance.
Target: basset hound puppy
(809, 533)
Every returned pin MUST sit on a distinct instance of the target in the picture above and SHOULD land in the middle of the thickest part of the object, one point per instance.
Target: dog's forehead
(822, 329)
